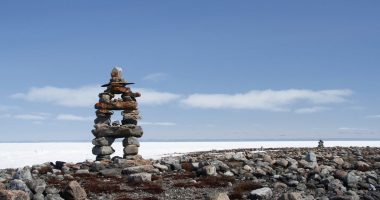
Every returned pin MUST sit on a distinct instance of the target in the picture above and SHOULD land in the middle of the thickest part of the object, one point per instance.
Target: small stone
(140, 177)
(82, 171)
(111, 172)
(228, 173)
(53, 197)
(74, 191)
(262, 193)
(51, 190)
(247, 168)
(218, 196)
(279, 186)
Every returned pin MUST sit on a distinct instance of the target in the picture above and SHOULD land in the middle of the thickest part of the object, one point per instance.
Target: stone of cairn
(106, 132)
(320, 144)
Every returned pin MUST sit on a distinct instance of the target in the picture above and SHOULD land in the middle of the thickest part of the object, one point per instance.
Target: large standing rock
(74, 191)
(262, 193)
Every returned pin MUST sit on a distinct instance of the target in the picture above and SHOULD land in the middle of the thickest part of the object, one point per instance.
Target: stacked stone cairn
(320, 144)
(106, 132)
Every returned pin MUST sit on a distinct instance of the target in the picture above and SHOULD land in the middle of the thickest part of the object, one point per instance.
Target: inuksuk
(106, 131)
(320, 144)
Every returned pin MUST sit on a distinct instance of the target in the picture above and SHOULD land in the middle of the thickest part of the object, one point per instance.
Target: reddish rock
(74, 191)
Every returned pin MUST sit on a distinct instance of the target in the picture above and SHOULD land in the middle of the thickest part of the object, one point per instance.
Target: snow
(14, 155)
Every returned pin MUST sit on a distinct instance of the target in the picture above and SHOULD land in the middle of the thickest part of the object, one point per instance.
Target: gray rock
(338, 160)
(51, 190)
(139, 169)
(53, 197)
(131, 141)
(102, 150)
(282, 162)
(74, 191)
(218, 196)
(160, 167)
(103, 141)
(18, 184)
(209, 170)
(38, 196)
(111, 172)
(37, 185)
(131, 150)
(336, 186)
(291, 196)
(352, 179)
(262, 193)
(14, 195)
(311, 157)
(82, 171)
(23, 174)
(228, 173)
(140, 177)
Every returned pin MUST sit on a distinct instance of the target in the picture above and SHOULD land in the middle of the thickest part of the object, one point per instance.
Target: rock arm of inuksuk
(106, 131)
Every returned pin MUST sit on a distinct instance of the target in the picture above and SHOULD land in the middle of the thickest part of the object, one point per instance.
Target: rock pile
(106, 132)
(289, 173)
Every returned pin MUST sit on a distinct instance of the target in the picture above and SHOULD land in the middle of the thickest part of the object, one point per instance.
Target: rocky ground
(289, 173)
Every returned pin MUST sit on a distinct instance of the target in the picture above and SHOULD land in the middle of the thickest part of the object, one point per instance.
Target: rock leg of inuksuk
(106, 132)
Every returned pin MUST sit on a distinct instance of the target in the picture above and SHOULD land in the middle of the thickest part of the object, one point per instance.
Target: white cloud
(153, 97)
(7, 108)
(373, 116)
(350, 130)
(34, 117)
(70, 97)
(271, 100)
(311, 110)
(155, 77)
(70, 117)
(158, 123)
(87, 96)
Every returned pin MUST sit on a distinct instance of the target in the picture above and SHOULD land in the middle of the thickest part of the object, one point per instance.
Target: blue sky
(206, 69)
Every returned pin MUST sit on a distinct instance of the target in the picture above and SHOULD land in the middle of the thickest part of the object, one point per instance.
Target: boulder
(311, 157)
(160, 167)
(103, 141)
(36, 185)
(102, 150)
(131, 141)
(18, 184)
(23, 174)
(74, 191)
(131, 150)
(362, 166)
(209, 170)
(338, 160)
(14, 195)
